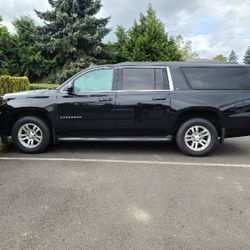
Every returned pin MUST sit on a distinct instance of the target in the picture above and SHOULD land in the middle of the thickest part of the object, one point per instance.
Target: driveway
(125, 196)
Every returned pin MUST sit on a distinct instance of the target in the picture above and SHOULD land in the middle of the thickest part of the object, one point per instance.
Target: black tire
(46, 135)
(186, 126)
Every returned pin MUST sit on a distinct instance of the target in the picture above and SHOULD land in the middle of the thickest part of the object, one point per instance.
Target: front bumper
(3, 124)
(4, 118)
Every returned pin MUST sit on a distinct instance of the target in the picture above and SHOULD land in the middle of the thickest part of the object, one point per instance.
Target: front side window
(218, 78)
(142, 79)
(96, 80)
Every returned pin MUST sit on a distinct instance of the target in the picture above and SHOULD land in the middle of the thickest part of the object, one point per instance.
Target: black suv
(195, 104)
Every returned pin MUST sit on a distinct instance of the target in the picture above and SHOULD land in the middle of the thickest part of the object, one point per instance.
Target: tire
(197, 137)
(28, 129)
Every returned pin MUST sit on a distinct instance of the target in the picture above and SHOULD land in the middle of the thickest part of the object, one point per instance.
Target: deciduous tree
(220, 58)
(8, 58)
(31, 62)
(186, 48)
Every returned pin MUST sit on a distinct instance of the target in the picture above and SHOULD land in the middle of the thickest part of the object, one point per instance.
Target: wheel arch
(36, 112)
(210, 114)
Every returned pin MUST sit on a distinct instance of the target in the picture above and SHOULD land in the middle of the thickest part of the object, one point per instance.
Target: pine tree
(247, 56)
(232, 57)
(116, 51)
(72, 31)
(147, 40)
(120, 46)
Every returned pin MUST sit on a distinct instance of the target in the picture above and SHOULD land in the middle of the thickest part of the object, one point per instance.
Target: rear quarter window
(218, 78)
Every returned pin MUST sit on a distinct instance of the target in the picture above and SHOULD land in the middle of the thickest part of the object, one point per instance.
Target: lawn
(1, 145)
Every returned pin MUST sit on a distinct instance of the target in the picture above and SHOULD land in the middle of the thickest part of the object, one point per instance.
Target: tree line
(71, 38)
(232, 58)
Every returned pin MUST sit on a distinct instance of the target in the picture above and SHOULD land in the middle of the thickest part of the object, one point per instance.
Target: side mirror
(70, 89)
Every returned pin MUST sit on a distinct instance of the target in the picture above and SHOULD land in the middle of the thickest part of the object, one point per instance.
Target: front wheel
(31, 135)
(197, 137)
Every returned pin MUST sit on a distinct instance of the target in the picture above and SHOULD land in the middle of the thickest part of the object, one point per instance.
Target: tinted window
(96, 80)
(142, 79)
(158, 79)
(218, 78)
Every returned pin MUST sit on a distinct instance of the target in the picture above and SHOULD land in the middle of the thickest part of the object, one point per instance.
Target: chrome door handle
(159, 98)
(105, 100)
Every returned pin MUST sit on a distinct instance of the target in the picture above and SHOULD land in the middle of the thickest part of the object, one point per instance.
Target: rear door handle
(159, 98)
(105, 100)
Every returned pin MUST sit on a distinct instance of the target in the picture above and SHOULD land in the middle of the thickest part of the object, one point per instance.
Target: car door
(143, 101)
(90, 109)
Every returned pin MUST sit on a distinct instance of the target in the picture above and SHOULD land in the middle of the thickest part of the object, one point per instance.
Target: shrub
(10, 84)
(35, 86)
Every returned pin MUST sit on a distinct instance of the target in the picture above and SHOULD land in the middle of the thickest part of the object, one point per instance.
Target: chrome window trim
(170, 81)
(143, 90)
(85, 72)
(142, 67)
(120, 91)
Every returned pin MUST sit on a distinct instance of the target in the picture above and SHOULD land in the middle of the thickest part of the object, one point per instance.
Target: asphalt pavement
(125, 196)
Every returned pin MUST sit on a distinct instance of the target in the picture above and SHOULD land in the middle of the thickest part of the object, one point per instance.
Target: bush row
(10, 84)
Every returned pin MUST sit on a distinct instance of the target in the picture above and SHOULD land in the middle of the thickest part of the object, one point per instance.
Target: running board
(118, 139)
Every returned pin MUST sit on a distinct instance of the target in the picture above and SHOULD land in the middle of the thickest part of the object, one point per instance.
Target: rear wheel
(197, 137)
(31, 135)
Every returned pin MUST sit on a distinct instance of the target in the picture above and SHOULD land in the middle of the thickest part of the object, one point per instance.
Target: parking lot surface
(125, 196)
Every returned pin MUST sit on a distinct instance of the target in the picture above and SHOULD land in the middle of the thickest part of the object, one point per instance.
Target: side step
(116, 139)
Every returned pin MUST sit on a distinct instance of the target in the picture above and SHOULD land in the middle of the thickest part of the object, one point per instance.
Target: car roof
(194, 63)
(198, 63)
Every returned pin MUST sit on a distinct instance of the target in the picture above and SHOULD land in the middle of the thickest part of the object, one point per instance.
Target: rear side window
(219, 78)
(143, 79)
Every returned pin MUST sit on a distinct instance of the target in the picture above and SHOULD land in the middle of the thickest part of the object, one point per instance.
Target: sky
(213, 26)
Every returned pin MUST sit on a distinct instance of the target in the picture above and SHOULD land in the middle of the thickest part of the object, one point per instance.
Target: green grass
(1, 145)
(35, 86)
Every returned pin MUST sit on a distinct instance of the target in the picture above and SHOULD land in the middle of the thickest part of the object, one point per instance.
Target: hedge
(10, 84)
(34, 86)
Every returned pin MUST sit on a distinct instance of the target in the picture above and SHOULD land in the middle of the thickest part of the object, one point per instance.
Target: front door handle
(105, 100)
(159, 98)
